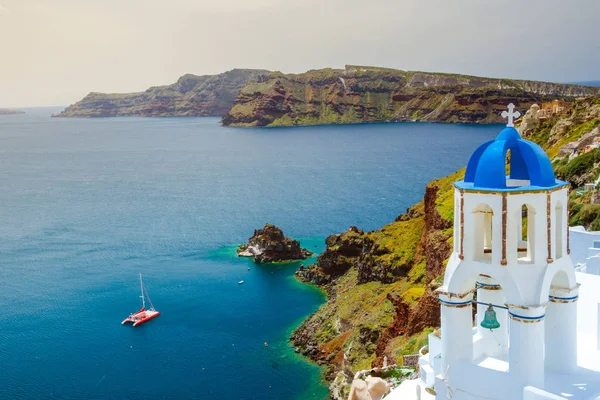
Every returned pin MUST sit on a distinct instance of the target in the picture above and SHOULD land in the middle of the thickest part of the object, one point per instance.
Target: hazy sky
(53, 52)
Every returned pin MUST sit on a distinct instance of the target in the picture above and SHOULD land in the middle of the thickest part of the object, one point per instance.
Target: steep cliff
(191, 95)
(371, 94)
(380, 284)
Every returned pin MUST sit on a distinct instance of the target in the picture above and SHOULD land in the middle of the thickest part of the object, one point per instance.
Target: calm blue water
(86, 204)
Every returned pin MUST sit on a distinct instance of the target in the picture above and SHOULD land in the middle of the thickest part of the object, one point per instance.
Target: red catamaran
(144, 314)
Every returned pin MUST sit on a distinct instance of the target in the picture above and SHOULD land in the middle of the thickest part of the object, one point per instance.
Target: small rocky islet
(269, 244)
(10, 111)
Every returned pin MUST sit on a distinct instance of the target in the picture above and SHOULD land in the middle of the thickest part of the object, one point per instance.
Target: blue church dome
(530, 167)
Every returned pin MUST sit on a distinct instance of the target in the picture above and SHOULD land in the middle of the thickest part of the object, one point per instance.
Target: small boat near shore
(145, 314)
(240, 282)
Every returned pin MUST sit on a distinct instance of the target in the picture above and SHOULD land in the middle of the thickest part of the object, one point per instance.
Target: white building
(585, 250)
(512, 251)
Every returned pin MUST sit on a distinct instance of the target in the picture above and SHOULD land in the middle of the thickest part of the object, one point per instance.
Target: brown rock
(433, 241)
(269, 244)
(595, 197)
(341, 253)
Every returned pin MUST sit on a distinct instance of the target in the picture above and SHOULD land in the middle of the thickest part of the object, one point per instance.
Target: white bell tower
(511, 250)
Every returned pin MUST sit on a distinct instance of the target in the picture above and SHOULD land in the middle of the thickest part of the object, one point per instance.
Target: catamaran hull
(148, 318)
(141, 316)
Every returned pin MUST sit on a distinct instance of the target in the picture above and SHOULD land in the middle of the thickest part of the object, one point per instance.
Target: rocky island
(269, 244)
(380, 285)
(9, 111)
(372, 94)
(191, 95)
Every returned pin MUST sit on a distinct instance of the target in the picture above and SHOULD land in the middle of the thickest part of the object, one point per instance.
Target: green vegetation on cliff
(371, 94)
(380, 287)
(191, 95)
(380, 284)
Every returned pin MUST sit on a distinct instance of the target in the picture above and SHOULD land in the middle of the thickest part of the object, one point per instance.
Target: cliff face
(369, 94)
(191, 95)
(380, 284)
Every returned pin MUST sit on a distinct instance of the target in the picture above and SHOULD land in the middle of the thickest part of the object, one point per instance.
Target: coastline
(369, 123)
(178, 253)
(317, 387)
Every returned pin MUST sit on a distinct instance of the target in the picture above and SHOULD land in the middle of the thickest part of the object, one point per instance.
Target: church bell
(489, 320)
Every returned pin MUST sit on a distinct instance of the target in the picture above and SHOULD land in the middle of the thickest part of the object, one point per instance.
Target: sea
(88, 204)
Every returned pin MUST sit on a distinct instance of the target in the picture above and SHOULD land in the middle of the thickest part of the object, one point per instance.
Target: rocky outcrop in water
(191, 95)
(269, 244)
(340, 254)
(371, 94)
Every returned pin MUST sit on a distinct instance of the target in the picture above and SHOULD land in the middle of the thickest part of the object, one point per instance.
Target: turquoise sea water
(87, 204)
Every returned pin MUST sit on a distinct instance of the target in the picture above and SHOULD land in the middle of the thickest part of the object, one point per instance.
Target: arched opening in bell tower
(515, 179)
(560, 330)
(479, 345)
(560, 280)
(483, 216)
(526, 234)
(490, 341)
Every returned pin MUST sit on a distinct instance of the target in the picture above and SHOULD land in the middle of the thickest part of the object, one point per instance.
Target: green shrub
(578, 165)
(587, 215)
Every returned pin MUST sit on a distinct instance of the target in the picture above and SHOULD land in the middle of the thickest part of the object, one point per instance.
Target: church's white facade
(511, 251)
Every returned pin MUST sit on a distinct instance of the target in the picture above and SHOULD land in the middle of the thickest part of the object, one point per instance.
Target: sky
(54, 52)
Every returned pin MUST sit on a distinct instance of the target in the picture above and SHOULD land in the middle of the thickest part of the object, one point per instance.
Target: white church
(536, 334)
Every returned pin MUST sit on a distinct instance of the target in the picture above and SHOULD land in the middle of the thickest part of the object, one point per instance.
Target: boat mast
(148, 298)
(142, 289)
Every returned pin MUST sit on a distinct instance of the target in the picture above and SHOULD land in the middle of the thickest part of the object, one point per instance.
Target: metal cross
(511, 114)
